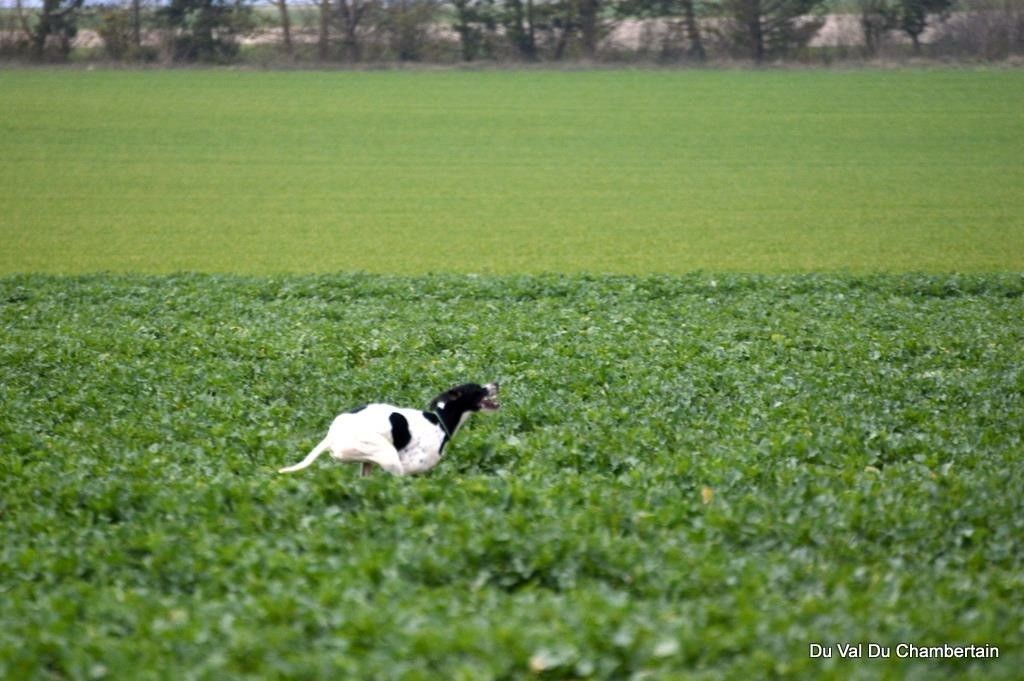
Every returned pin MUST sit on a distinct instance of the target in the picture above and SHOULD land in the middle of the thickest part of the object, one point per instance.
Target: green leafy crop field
(692, 477)
(695, 475)
(512, 171)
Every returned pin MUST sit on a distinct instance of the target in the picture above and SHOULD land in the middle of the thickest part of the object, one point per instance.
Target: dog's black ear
(441, 400)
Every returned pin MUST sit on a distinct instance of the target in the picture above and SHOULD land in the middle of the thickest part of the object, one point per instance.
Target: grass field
(514, 171)
(692, 477)
(816, 440)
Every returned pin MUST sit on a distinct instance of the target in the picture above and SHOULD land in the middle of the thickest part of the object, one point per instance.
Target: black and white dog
(399, 440)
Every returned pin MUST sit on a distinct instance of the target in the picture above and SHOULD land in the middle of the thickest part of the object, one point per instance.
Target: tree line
(359, 31)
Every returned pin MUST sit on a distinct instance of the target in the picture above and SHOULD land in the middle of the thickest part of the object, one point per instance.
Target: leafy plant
(691, 476)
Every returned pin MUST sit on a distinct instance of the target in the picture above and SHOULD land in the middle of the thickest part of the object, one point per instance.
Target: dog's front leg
(365, 469)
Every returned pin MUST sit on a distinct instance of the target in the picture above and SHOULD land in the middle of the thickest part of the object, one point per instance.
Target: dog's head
(467, 398)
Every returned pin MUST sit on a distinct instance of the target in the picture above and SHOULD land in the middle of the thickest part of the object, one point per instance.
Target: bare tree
(877, 17)
(696, 49)
(137, 25)
(768, 28)
(993, 30)
(351, 14)
(589, 11)
(519, 27)
(681, 18)
(286, 26)
(324, 33)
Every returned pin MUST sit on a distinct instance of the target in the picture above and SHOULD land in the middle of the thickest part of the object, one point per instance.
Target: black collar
(440, 422)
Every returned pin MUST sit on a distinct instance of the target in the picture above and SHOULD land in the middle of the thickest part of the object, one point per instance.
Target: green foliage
(512, 171)
(692, 477)
(205, 30)
(913, 15)
(408, 26)
(475, 22)
(115, 28)
(877, 17)
(54, 28)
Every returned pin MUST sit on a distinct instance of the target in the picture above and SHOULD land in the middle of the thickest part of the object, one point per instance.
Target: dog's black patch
(400, 435)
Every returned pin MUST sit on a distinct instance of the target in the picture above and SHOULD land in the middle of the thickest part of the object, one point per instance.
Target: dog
(402, 441)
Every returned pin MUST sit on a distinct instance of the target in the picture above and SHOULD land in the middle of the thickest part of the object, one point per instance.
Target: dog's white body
(366, 436)
(402, 441)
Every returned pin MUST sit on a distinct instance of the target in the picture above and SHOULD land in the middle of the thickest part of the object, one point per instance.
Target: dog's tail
(308, 461)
